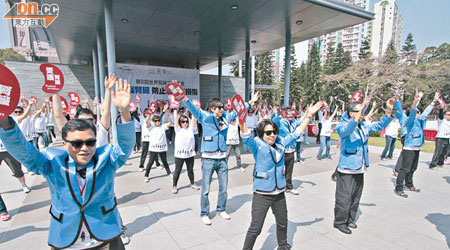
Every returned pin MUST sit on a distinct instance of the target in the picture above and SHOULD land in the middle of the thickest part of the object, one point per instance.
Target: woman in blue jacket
(269, 176)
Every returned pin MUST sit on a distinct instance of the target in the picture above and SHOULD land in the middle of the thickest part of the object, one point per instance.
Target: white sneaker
(292, 191)
(206, 220)
(225, 215)
(147, 179)
(301, 161)
(171, 175)
(160, 167)
(125, 239)
(26, 189)
(141, 169)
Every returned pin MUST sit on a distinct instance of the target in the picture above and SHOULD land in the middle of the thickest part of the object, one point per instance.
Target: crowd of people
(81, 173)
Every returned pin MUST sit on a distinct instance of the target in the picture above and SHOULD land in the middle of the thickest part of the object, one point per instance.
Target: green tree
(235, 68)
(342, 59)
(409, 49)
(329, 66)
(313, 70)
(390, 55)
(10, 55)
(264, 75)
(364, 51)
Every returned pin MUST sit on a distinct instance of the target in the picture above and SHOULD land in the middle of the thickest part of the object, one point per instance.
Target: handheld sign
(173, 102)
(33, 100)
(294, 105)
(175, 89)
(228, 105)
(238, 104)
(9, 91)
(74, 99)
(72, 112)
(54, 78)
(290, 113)
(137, 98)
(132, 106)
(315, 130)
(356, 96)
(152, 108)
(64, 104)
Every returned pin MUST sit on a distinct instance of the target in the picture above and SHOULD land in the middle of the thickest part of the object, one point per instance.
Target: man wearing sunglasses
(84, 210)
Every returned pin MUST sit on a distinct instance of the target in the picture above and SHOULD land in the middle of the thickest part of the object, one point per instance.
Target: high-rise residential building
(386, 26)
(351, 37)
(34, 43)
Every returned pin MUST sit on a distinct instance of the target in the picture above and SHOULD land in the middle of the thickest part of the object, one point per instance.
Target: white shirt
(195, 128)
(392, 129)
(137, 126)
(326, 127)
(158, 141)
(443, 129)
(218, 154)
(320, 114)
(40, 123)
(184, 143)
(144, 129)
(50, 120)
(25, 127)
(102, 135)
(232, 134)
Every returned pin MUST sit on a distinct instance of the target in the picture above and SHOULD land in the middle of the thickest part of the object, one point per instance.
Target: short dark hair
(352, 106)
(19, 107)
(84, 111)
(214, 102)
(156, 117)
(262, 124)
(77, 125)
(182, 117)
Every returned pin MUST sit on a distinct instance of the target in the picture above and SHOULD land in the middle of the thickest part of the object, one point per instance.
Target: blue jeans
(390, 145)
(298, 149)
(2, 206)
(220, 166)
(324, 141)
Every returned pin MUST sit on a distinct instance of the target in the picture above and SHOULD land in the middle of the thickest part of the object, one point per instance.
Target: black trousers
(145, 145)
(12, 163)
(260, 205)
(153, 155)
(170, 133)
(405, 167)
(51, 132)
(289, 168)
(179, 165)
(114, 244)
(349, 189)
(440, 152)
(318, 135)
(137, 146)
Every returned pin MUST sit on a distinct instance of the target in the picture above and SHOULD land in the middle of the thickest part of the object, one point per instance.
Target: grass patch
(428, 147)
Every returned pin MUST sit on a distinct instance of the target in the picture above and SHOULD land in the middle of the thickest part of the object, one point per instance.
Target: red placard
(64, 104)
(74, 99)
(132, 106)
(175, 89)
(290, 113)
(54, 78)
(173, 102)
(152, 108)
(228, 105)
(137, 98)
(72, 111)
(9, 91)
(294, 105)
(33, 100)
(356, 96)
(238, 104)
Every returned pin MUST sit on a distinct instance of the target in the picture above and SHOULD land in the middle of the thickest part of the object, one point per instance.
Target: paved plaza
(158, 219)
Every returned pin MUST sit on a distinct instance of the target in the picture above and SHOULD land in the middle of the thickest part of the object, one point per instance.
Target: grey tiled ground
(157, 219)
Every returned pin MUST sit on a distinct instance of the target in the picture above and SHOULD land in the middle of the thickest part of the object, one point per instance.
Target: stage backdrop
(149, 81)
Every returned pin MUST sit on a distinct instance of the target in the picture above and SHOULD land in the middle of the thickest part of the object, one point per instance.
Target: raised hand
(437, 95)
(110, 81)
(313, 109)
(121, 97)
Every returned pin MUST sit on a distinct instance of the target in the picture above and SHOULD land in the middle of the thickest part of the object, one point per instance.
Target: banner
(149, 81)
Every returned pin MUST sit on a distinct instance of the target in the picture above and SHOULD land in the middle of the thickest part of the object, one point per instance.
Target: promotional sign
(9, 91)
(72, 111)
(238, 104)
(315, 130)
(137, 98)
(175, 89)
(356, 96)
(132, 106)
(74, 99)
(149, 81)
(173, 103)
(289, 114)
(33, 100)
(54, 78)
(152, 108)
(64, 104)
(228, 105)
(294, 105)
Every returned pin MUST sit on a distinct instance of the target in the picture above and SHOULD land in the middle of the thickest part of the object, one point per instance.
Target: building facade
(386, 27)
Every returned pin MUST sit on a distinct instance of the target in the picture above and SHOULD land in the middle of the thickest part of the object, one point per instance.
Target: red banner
(9, 91)
(54, 78)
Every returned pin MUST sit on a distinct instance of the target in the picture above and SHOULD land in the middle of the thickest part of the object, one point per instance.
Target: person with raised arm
(353, 162)
(80, 178)
(325, 135)
(442, 139)
(413, 124)
(269, 185)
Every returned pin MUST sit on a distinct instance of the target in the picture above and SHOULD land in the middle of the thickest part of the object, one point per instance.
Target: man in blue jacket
(80, 177)
(214, 152)
(413, 124)
(353, 161)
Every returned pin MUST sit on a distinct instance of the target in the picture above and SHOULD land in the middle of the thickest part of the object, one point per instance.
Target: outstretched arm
(25, 114)
(57, 112)
(106, 112)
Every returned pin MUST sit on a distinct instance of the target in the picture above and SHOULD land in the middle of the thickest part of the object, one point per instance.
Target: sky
(428, 21)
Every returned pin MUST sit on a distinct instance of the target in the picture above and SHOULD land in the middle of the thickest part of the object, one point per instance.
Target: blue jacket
(354, 142)
(268, 174)
(214, 139)
(68, 210)
(286, 127)
(412, 127)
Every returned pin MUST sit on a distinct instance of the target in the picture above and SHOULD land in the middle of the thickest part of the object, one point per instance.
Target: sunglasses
(89, 119)
(79, 143)
(219, 107)
(270, 132)
(156, 120)
(184, 121)
(17, 112)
